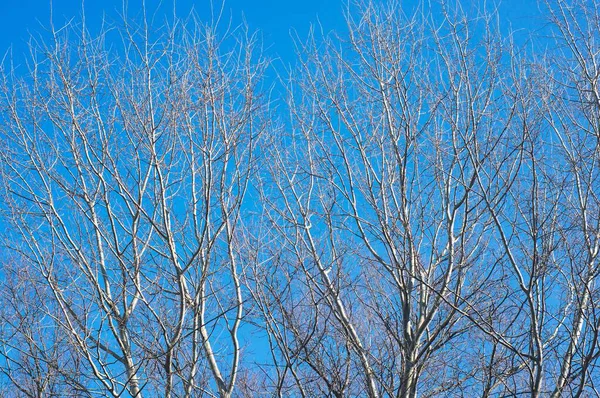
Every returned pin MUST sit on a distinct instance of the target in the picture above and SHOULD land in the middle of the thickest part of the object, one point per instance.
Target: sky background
(274, 18)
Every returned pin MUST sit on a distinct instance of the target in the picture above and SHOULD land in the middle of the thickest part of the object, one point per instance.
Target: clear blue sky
(274, 18)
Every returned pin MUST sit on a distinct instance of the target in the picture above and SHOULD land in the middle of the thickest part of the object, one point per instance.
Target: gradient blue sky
(274, 18)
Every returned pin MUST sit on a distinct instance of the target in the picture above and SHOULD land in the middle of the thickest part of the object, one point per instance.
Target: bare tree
(574, 120)
(124, 171)
(375, 202)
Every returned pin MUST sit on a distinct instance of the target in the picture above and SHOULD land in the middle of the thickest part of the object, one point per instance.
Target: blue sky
(274, 18)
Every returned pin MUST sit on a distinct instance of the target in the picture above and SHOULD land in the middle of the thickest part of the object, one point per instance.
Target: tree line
(412, 209)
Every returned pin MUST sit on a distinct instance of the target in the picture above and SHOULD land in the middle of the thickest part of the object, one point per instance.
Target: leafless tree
(375, 199)
(126, 161)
